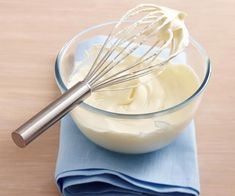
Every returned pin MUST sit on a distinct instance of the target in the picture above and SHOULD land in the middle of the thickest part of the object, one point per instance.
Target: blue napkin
(85, 169)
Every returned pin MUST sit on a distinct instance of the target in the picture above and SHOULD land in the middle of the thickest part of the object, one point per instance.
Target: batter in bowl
(155, 92)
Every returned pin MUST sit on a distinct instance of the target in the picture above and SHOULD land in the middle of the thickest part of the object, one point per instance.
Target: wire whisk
(159, 28)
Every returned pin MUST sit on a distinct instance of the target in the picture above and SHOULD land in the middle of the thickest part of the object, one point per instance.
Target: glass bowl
(130, 133)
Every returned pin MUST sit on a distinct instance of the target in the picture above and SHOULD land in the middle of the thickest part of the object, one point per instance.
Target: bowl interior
(74, 50)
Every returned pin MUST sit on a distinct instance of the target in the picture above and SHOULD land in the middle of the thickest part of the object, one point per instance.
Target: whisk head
(156, 27)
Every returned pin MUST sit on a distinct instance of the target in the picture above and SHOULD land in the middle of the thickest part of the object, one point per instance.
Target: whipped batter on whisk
(158, 90)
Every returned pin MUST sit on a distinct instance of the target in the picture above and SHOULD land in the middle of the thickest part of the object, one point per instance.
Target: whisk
(152, 26)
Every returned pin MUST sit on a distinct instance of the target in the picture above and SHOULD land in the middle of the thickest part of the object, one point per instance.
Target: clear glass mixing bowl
(146, 132)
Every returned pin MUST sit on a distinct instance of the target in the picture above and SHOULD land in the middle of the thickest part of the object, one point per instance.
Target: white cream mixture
(151, 93)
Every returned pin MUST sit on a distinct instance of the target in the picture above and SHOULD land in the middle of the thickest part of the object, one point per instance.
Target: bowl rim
(171, 109)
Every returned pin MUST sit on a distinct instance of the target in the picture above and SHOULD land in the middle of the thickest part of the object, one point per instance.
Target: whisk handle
(50, 114)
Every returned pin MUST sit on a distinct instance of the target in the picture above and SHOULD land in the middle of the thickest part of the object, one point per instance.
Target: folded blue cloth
(84, 168)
